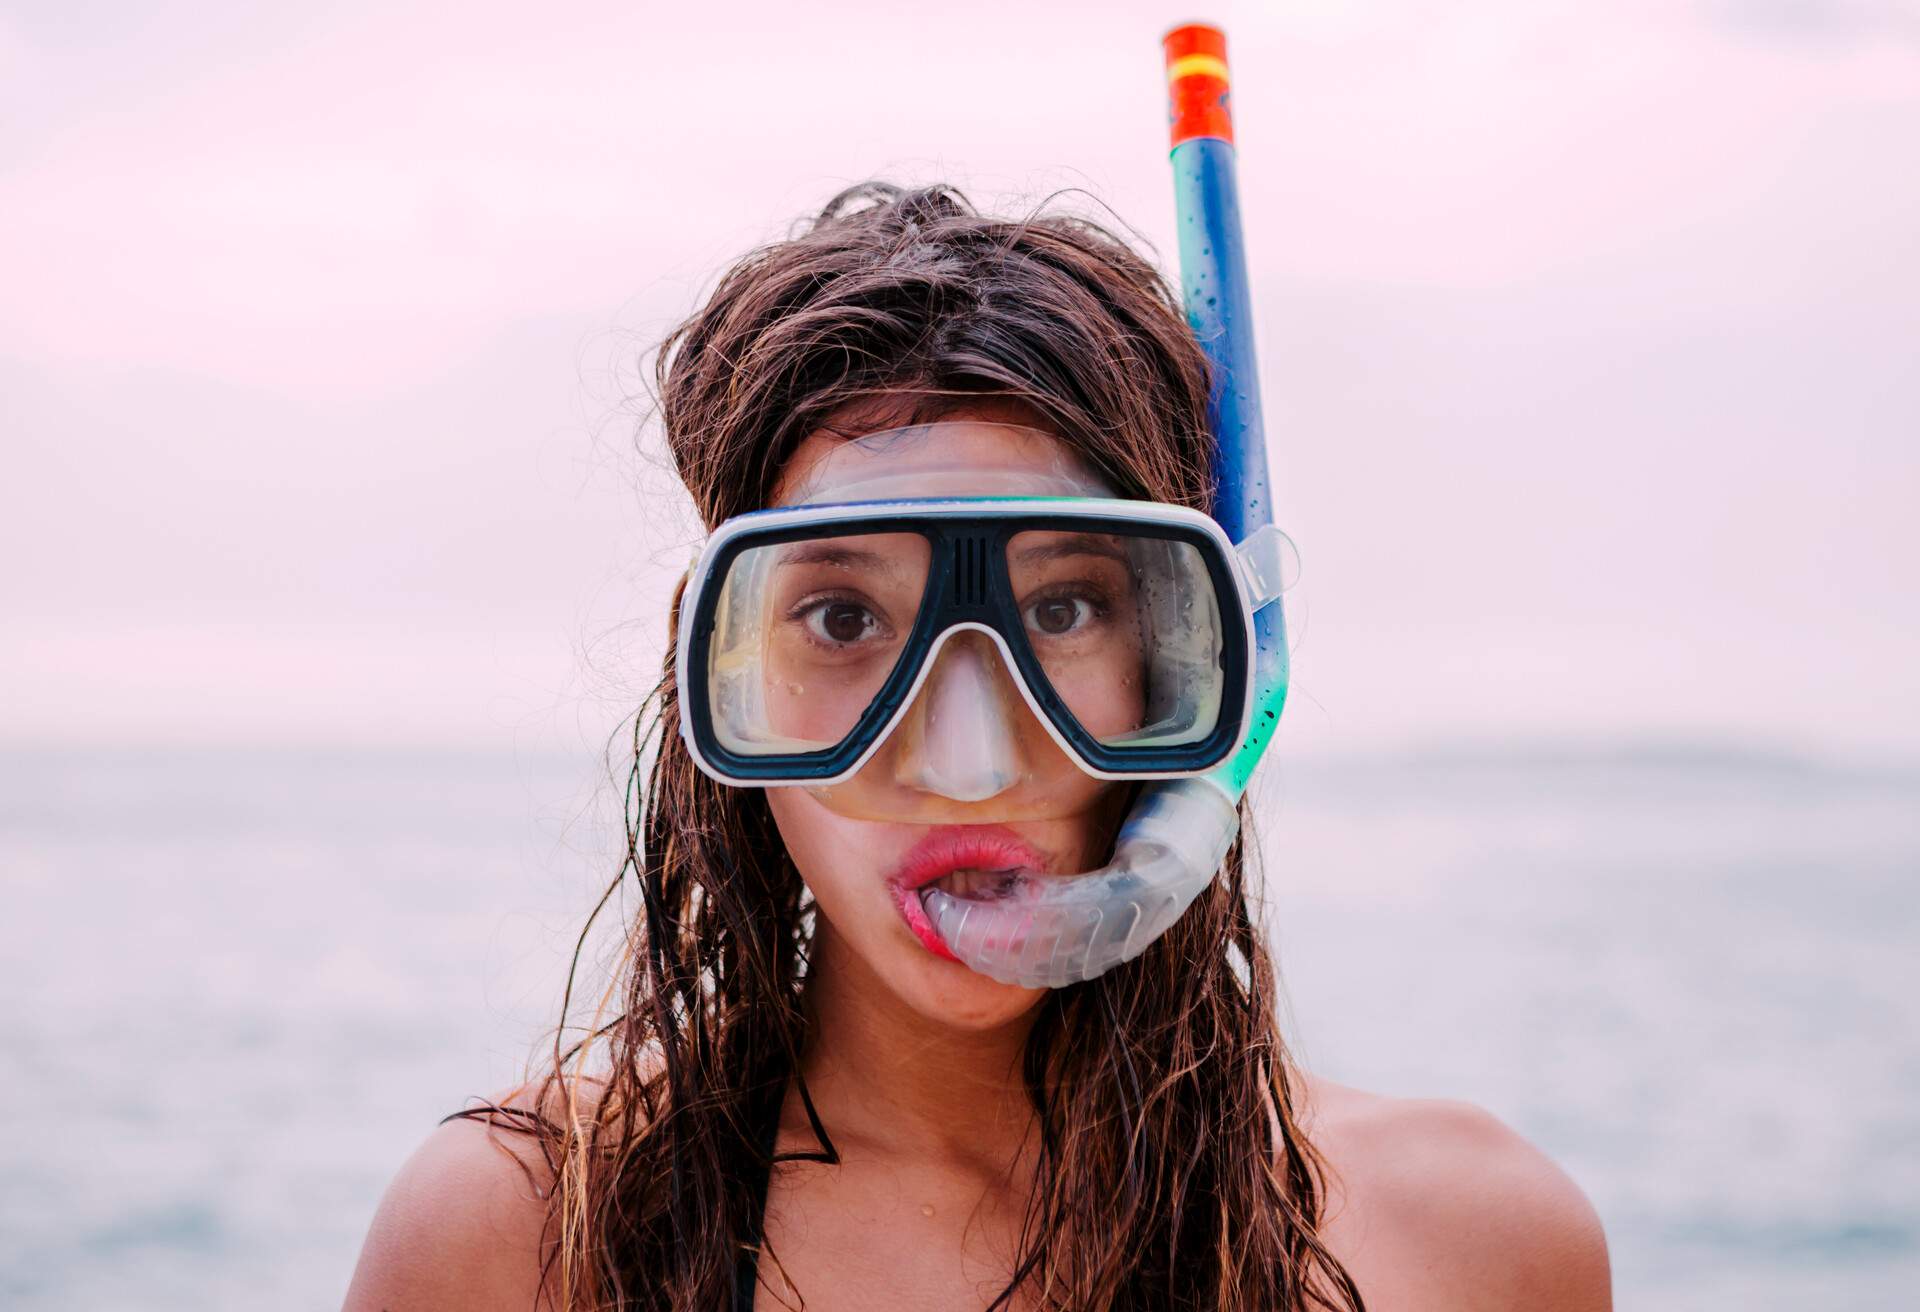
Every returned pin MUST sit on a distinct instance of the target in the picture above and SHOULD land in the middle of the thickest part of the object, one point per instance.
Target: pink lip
(944, 850)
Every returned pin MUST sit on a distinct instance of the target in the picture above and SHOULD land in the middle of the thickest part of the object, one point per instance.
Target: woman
(800, 1097)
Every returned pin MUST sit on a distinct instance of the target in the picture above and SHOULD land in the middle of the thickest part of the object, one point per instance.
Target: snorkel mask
(887, 637)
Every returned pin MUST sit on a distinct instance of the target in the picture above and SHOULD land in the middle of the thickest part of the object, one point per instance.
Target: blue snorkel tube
(1065, 929)
(1213, 269)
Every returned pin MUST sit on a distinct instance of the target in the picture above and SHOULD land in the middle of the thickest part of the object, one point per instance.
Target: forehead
(951, 457)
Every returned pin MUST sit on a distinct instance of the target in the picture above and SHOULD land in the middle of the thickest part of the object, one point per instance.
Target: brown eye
(1056, 615)
(841, 622)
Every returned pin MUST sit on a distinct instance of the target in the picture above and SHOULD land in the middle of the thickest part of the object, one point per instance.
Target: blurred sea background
(1689, 975)
(1590, 342)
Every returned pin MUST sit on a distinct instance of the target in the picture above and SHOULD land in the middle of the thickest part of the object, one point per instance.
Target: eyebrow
(836, 553)
(1077, 544)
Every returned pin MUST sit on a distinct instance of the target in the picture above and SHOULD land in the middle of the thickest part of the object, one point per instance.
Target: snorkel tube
(1060, 930)
(1213, 268)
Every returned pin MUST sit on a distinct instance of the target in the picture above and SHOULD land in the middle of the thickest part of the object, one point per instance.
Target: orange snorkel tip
(1197, 83)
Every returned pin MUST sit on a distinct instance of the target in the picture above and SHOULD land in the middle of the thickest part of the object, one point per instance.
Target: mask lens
(805, 635)
(1127, 630)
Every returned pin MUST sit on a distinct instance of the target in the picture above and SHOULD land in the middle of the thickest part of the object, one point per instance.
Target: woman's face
(969, 785)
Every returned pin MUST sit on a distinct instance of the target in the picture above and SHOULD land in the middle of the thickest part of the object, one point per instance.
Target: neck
(886, 1079)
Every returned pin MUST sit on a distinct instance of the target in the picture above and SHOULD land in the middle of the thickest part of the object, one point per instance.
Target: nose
(960, 738)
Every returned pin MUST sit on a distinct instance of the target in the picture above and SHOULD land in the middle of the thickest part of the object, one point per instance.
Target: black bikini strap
(746, 1272)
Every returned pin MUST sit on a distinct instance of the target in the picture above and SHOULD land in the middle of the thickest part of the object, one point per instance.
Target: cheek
(1106, 691)
(817, 841)
(846, 863)
(813, 700)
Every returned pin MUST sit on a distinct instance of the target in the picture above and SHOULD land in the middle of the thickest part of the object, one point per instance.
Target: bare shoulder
(1439, 1205)
(461, 1225)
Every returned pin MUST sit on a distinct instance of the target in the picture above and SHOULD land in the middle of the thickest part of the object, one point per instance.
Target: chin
(949, 994)
(864, 935)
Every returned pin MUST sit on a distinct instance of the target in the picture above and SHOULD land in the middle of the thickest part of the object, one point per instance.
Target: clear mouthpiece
(1050, 931)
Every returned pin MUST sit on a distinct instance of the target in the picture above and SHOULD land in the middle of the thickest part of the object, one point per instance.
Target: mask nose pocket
(959, 738)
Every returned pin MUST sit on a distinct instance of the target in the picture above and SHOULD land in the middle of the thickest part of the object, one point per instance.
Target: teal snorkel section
(1219, 304)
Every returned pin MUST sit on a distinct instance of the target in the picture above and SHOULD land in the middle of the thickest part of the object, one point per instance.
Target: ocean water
(238, 988)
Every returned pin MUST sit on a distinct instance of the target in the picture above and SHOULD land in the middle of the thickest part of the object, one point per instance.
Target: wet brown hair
(1171, 1171)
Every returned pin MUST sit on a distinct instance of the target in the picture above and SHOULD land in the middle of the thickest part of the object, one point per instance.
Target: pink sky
(1591, 339)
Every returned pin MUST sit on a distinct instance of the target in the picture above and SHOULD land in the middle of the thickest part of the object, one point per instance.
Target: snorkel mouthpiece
(1057, 930)
(1051, 931)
